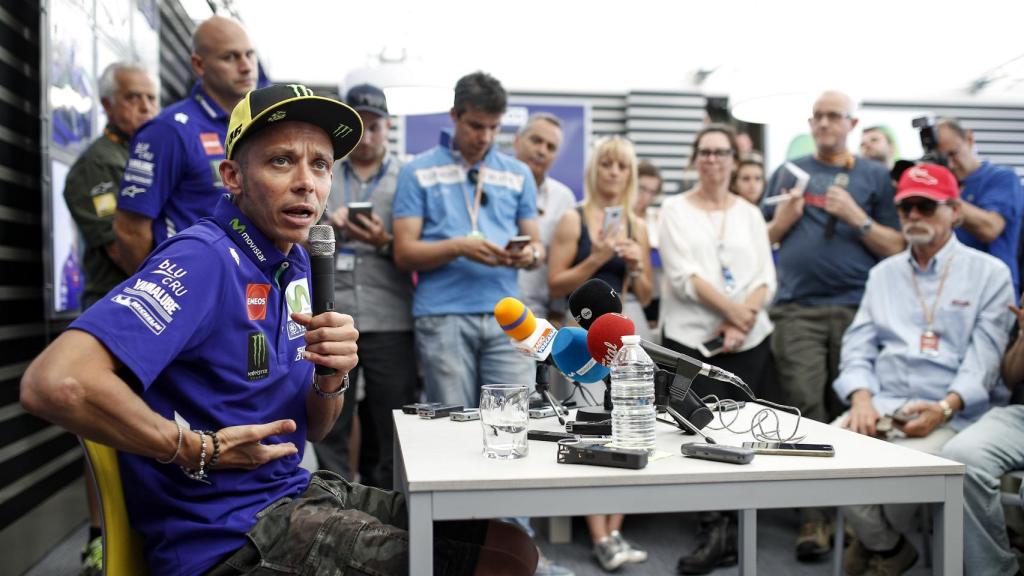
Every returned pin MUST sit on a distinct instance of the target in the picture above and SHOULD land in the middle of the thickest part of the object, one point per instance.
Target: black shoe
(814, 541)
(716, 546)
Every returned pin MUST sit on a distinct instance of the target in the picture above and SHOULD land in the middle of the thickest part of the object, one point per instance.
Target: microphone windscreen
(591, 300)
(515, 318)
(572, 358)
(605, 336)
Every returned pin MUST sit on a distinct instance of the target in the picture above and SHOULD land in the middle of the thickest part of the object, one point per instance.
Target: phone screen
(517, 243)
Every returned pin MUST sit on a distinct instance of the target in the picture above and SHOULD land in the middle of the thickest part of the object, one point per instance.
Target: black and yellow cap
(294, 102)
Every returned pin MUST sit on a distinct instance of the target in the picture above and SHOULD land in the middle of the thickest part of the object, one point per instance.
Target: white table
(440, 468)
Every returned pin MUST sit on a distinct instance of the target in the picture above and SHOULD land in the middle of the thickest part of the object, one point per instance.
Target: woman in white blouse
(718, 278)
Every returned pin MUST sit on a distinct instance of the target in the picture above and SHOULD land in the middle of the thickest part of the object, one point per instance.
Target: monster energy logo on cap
(297, 103)
(259, 359)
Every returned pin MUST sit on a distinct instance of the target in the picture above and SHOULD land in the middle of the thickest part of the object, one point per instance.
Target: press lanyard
(369, 186)
(929, 339)
(728, 279)
(474, 208)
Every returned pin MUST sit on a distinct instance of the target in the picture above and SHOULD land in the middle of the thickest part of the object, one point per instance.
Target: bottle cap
(630, 339)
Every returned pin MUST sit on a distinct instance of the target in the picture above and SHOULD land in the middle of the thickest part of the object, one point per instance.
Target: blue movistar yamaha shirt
(436, 187)
(204, 327)
(172, 176)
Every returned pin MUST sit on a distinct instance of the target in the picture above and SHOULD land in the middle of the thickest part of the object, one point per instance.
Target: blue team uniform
(204, 327)
(172, 176)
(996, 189)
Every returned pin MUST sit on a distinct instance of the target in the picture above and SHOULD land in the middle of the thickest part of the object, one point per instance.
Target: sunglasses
(924, 206)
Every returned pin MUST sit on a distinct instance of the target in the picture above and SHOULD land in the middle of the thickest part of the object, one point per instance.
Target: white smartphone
(612, 220)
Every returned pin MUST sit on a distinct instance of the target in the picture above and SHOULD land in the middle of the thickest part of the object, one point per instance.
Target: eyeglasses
(716, 152)
(924, 206)
(830, 116)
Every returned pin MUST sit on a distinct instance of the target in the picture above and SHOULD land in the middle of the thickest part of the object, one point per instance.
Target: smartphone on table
(788, 449)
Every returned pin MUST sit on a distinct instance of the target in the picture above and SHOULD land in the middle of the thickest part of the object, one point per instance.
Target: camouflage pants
(341, 528)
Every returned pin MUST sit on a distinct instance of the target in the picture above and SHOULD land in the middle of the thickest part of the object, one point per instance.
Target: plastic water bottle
(633, 410)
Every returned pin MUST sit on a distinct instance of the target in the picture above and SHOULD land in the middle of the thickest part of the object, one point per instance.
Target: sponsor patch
(138, 178)
(142, 151)
(298, 353)
(104, 204)
(142, 311)
(131, 191)
(256, 300)
(278, 115)
(181, 118)
(215, 168)
(434, 175)
(961, 303)
(296, 297)
(258, 357)
(211, 143)
(172, 277)
(140, 166)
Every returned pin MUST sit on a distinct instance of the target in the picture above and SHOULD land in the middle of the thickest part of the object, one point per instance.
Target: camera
(929, 140)
(928, 133)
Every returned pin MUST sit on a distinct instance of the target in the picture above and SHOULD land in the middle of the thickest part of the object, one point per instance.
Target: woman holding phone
(718, 278)
(603, 239)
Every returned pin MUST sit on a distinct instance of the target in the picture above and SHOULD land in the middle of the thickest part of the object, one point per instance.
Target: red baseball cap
(928, 181)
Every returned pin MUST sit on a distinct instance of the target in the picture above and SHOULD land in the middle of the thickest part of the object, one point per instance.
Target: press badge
(345, 259)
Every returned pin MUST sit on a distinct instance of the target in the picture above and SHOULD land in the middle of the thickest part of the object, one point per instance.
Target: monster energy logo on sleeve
(259, 359)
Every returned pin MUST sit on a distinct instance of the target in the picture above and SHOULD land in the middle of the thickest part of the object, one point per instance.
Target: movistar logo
(258, 365)
(240, 228)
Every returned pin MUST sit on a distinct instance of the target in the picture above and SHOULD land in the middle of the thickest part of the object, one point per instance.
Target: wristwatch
(865, 226)
(329, 395)
(947, 410)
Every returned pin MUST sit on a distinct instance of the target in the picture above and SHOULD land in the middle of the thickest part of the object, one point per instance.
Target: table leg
(748, 542)
(838, 544)
(948, 531)
(421, 534)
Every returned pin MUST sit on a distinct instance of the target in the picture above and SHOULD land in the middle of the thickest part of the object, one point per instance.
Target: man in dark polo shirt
(129, 98)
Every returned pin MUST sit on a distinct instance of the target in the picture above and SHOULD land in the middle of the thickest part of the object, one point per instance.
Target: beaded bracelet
(199, 474)
(216, 450)
(181, 436)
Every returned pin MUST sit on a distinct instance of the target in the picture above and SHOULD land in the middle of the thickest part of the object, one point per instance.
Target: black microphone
(687, 366)
(842, 180)
(321, 271)
(593, 299)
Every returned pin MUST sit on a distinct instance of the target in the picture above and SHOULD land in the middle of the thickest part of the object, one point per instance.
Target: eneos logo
(256, 300)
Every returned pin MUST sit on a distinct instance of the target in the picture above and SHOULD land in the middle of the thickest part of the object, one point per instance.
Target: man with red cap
(922, 355)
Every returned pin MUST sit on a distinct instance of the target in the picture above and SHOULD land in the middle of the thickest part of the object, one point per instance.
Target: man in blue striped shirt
(923, 351)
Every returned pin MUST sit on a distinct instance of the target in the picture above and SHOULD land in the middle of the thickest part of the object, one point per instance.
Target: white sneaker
(633, 554)
(546, 567)
(609, 554)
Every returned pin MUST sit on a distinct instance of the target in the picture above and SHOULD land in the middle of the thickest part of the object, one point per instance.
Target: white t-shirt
(689, 247)
(553, 200)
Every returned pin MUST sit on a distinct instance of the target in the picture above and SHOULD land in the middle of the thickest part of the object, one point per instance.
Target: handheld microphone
(572, 357)
(531, 336)
(591, 300)
(605, 336)
(842, 180)
(321, 267)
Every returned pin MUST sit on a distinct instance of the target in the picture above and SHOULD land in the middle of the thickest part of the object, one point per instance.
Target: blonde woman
(584, 247)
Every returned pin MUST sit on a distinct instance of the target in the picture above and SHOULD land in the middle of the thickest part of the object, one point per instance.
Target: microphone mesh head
(321, 240)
